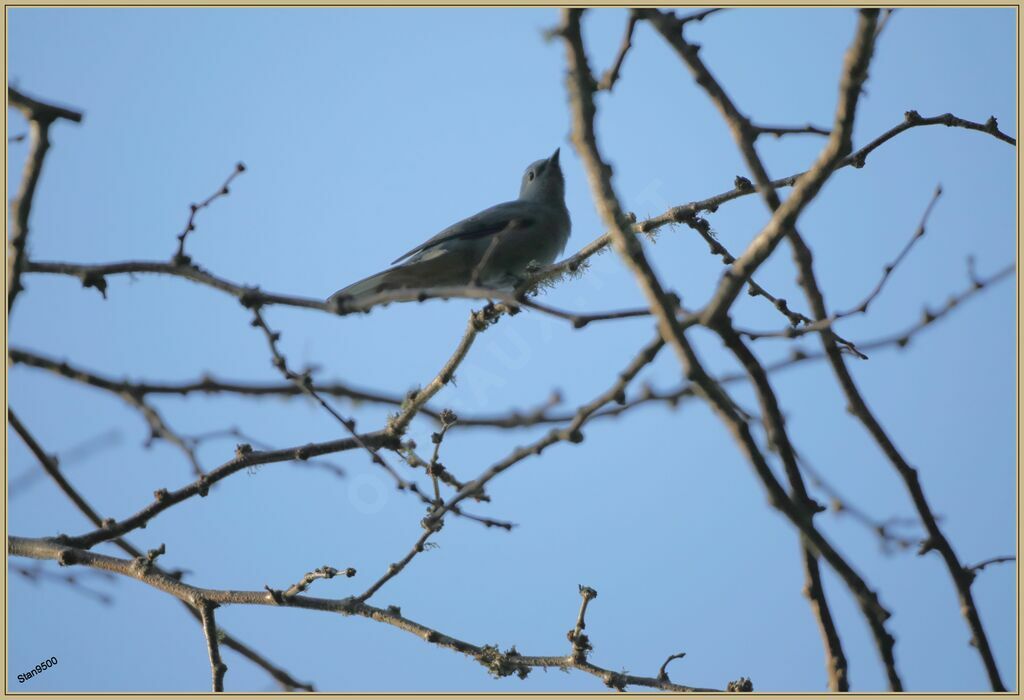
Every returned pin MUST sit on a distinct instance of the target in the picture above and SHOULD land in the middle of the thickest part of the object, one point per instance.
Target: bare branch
(780, 131)
(435, 469)
(236, 434)
(429, 528)
(36, 573)
(828, 324)
(981, 565)
(479, 321)
(49, 465)
(581, 89)
(807, 185)
(580, 642)
(570, 433)
(775, 428)
(179, 256)
(37, 110)
(611, 76)
(304, 381)
(497, 662)
(94, 275)
(40, 116)
(662, 672)
(203, 385)
(244, 457)
(937, 541)
(919, 232)
(217, 667)
(324, 572)
(841, 505)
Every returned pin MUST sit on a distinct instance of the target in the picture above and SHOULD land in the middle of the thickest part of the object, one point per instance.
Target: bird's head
(543, 181)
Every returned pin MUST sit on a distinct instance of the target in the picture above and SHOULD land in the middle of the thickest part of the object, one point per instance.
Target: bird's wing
(487, 223)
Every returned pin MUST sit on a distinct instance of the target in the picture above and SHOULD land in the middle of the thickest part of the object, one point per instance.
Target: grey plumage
(492, 248)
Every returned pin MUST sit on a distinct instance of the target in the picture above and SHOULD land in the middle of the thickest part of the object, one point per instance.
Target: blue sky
(365, 131)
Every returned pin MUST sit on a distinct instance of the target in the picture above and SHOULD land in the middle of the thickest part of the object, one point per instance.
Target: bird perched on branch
(491, 249)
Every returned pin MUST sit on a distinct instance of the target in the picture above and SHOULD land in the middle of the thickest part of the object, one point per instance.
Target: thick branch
(809, 184)
(40, 116)
(217, 667)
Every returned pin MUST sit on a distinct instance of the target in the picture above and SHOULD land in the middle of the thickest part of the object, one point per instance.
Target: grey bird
(491, 249)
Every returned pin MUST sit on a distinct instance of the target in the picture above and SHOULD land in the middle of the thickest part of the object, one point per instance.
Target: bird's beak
(554, 157)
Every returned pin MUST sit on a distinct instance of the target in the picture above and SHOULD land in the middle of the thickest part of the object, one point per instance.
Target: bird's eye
(530, 176)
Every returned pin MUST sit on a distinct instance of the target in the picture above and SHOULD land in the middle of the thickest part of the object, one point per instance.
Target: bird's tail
(365, 287)
(428, 273)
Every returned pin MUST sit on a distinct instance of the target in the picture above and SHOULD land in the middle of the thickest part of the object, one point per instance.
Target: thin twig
(780, 131)
(125, 391)
(827, 324)
(179, 256)
(981, 565)
(429, 528)
(610, 76)
(841, 505)
(324, 572)
(919, 232)
(36, 573)
(435, 469)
